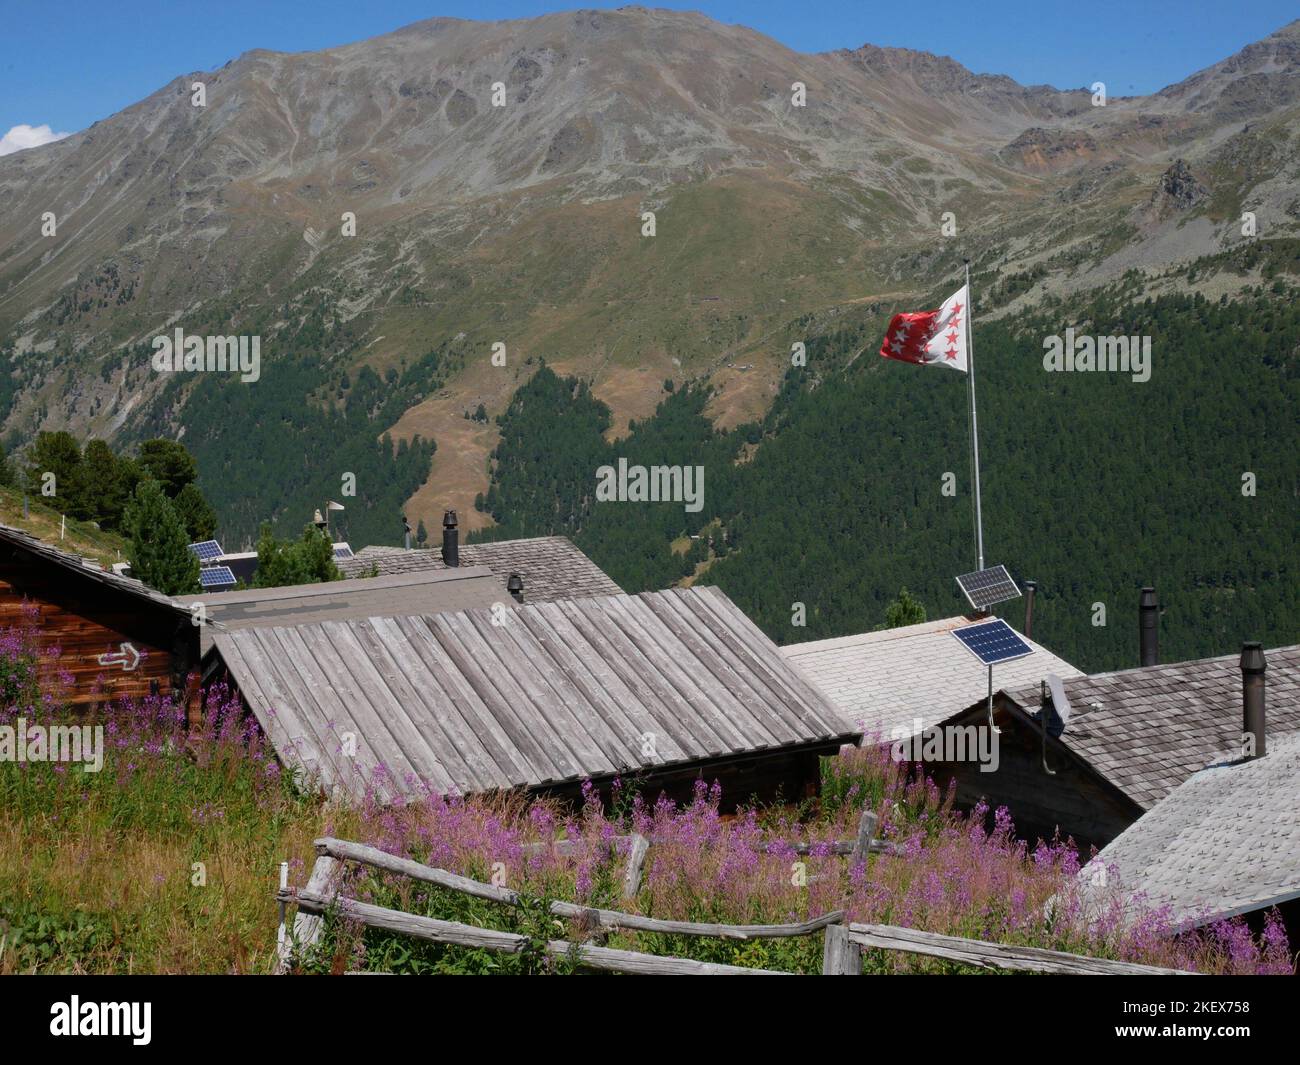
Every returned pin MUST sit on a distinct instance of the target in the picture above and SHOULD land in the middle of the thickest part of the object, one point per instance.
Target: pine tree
(421, 534)
(8, 479)
(196, 514)
(158, 542)
(905, 610)
(57, 454)
(169, 463)
(308, 560)
(101, 476)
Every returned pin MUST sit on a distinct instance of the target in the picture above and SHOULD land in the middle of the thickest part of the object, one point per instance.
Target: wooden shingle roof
(551, 567)
(1148, 729)
(542, 694)
(23, 542)
(1226, 841)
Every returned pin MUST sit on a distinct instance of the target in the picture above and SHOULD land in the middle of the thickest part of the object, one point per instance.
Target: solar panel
(985, 587)
(217, 577)
(993, 641)
(207, 550)
(343, 551)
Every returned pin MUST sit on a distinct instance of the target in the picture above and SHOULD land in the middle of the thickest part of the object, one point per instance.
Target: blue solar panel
(993, 641)
(343, 551)
(216, 577)
(207, 550)
(988, 586)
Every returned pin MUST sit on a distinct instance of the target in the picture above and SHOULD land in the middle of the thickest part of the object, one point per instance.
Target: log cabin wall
(781, 776)
(88, 619)
(1075, 801)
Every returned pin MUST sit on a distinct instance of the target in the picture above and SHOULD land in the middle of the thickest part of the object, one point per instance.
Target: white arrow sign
(128, 658)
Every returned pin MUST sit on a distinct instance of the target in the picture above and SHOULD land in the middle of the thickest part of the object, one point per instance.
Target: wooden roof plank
(390, 653)
(734, 677)
(698, 689)
(659, 700)
(463, 753)
(511, 767)
(488, 676)
(574, 720)
(737, 631)
(620, 709)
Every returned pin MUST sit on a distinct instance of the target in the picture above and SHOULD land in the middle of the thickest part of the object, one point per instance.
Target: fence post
(866, 832)
(283, 932)
(307, 927)
(635, 860)
(840, 955)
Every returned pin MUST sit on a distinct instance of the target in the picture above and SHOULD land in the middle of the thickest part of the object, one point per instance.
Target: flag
(932, 338)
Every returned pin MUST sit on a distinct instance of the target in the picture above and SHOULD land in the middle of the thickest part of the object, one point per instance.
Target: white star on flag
(947, 343)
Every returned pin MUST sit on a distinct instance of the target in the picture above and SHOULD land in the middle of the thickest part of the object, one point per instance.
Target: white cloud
(22, 136)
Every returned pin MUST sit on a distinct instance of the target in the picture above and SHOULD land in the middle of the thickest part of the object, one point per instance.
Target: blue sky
(66, 63)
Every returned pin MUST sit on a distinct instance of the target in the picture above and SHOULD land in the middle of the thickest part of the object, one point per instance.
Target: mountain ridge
(521, 225)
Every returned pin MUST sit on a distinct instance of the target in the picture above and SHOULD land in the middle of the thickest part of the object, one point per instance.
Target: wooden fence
(841, 953)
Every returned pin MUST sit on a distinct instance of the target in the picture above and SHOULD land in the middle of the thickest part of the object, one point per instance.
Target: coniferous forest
(1093, 485)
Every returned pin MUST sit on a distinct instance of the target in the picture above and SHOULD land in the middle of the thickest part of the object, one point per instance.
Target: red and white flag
(932, 338)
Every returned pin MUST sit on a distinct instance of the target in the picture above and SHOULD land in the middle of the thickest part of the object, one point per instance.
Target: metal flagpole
(974, 427)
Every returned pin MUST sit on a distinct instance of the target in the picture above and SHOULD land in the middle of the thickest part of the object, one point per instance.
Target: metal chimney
(1030, 588)
(1252, 700)
(515, 586)
(450, 539)
(1148, 628)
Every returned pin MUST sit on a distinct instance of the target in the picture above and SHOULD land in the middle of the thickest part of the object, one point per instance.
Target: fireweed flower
(955, 873)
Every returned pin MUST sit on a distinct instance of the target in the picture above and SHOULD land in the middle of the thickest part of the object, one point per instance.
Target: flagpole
(974, 427)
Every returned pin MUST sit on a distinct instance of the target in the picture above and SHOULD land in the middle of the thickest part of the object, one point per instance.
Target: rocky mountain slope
(522, 224)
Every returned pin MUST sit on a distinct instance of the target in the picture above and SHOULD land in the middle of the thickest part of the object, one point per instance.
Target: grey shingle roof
(551, 566)
(26, 542)
(888, 679)
(1151, 728)
(1225, 841)
(559, 692)
(422, 592)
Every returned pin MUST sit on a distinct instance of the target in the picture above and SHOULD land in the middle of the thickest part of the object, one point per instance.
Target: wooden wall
(85, 619)
(785, 775)
(1075, 800)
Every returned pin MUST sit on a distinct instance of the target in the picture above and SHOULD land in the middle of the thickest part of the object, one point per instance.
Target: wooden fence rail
(842, 946)
(994, 955)
(639, 847)
(465, 935)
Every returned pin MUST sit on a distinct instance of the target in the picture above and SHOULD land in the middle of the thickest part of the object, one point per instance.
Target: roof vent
(450, 539)
(1148, 628)
(515, 586)
(1252, 700)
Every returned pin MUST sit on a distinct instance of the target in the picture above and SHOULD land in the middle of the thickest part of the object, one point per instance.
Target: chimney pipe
(450, 539)
(515, 586)
(1030, 588)
(1252, 700)
(1148, 628)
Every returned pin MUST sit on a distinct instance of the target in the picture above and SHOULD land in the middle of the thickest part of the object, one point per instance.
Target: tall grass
(167, 861)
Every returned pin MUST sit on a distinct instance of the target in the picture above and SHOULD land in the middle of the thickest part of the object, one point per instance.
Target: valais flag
(932, 338)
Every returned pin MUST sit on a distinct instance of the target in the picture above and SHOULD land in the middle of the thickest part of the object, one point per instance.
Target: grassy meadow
(167, 861)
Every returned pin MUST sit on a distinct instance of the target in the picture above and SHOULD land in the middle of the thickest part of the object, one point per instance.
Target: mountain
(522, 224)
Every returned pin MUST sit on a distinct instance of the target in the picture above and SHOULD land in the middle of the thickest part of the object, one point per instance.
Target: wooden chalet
(1131, 738)
(115, 636)
(659, 689)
